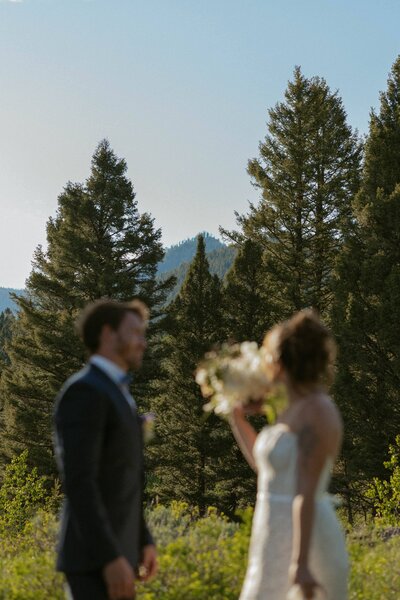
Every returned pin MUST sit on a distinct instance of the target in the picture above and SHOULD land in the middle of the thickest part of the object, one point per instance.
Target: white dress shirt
(116, 374)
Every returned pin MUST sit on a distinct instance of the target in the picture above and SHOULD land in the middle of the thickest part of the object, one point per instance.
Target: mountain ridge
(5, 298)
(176, 262)
(185, 250)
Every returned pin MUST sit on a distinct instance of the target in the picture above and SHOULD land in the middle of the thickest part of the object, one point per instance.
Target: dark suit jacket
(98, 442)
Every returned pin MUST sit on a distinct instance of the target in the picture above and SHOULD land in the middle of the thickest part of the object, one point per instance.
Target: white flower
(234, 375)
(201, 377)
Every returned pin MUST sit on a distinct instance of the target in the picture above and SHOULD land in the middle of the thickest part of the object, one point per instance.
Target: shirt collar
(108, 367)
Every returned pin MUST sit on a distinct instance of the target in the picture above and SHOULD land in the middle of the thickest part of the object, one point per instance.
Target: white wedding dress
(275, 454)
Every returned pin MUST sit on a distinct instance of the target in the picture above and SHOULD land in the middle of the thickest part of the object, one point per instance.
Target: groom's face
(130, 340)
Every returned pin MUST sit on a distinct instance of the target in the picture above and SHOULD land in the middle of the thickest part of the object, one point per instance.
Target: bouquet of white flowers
(234, 375)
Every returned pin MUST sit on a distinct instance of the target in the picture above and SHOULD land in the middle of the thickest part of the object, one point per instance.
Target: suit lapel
(115, 393)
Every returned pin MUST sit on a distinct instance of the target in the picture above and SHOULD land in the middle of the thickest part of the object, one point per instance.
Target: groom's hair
(103, 312)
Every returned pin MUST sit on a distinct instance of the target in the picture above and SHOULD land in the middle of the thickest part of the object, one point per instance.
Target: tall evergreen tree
(99, 245)
(307, 173)
(190, 450)
(6, 323)
(367, 308)
(246, 316)
(246, 309)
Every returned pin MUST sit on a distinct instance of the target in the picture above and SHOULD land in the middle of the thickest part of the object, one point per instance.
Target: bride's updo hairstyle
(304, 347)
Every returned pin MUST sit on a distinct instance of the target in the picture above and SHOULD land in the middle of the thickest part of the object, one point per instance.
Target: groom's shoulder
(82, 395)
(87, 378)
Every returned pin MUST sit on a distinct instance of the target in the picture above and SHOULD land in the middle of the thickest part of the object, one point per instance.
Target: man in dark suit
(104, 544)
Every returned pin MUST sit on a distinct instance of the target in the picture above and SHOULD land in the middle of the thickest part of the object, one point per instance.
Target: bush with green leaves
(374, 561)
(200, 558)
(27, 566)
(28, 531)
(22, 493)
(170, 522)
(385, 494)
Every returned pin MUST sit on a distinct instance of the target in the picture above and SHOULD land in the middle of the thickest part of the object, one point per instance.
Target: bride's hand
(253, 407)
(300, 575)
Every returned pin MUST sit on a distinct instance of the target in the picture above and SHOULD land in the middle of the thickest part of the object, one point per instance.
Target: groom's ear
(107, 335)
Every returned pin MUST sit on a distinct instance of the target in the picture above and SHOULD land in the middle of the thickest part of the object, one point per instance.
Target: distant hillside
(220, 261)
(185, 251)
(6, 301)
(176, 262)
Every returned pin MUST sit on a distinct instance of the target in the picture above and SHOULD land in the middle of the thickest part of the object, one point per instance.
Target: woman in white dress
(296, 542)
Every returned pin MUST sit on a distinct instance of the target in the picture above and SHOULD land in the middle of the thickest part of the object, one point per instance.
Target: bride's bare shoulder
(324, 407)
(322, 416)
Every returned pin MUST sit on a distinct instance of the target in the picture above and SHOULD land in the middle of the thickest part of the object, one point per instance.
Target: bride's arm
(313, 450)
(245, 435)
(311, 459)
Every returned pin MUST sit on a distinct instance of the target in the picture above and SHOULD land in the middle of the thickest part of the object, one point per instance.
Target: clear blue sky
(181, 89)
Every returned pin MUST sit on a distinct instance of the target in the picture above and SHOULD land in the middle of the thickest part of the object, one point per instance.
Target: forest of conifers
(325, 233)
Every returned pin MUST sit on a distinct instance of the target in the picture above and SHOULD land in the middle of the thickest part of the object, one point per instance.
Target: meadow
(201, 557)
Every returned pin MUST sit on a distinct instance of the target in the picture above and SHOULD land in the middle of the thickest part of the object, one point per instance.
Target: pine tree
(307, 173)
(246, 310)
(246, 316)
(98, 246)
(367, 307)
(189, 453)
(6, 324)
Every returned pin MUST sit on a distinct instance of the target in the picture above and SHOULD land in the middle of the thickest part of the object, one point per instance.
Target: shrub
(375, 571)
(170, 522)
(385, 495)
(27, 567)
(21, 494)
(201, 558)
(208, 560)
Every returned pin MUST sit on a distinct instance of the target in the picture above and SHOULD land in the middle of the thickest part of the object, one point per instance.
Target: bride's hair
(305, 347)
